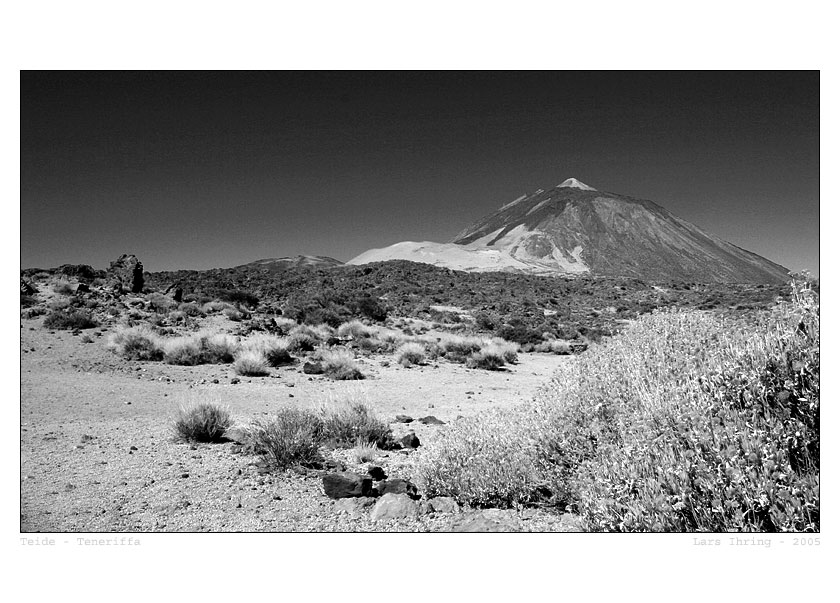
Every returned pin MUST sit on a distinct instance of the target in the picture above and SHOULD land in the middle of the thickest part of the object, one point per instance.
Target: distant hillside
(298, 261)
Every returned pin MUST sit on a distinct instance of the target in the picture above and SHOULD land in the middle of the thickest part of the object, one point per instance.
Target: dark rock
(128, 272)
(133, 448)
(346, 484)
(394, 506)
(410, 441)
(398, 486)
(489, 520)
(377, 473)
(178, 295)
(234, 381)
(26, 288)
(81, 288)
(313, 368)
(403, 419)
(431, 420)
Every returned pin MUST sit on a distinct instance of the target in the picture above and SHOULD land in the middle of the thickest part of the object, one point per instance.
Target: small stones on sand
(488, 520)
(234, 381)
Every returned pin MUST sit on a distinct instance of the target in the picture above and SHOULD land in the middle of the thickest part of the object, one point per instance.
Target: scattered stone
(346, 484)
(133, 448)
(410, 441)
(488, 520)
(87, 438)
(398, 486)
(215, 381)
(394, 506)
(185, 475)
(431, 420)
(234, 381)
(377, 473)
(469, 393)
(403, 419)
(313, 368)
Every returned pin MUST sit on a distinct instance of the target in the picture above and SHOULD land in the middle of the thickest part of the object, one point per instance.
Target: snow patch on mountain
(575, 183)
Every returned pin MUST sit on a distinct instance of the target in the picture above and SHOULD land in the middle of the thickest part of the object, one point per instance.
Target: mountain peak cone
(574, 229)
(575, 183)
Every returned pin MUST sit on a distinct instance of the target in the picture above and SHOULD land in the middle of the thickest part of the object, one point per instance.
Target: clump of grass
(184, 351)
(233, 314)
(274, 349)
(554, 346)
(458, 347)
(356, 329)
(284, 325)
(251, 363)
(508, 349)
(364, 452)
(218, 348)
(204, 422)
(63, 288)
(347, 424)
(339, 365)
(292, 438)
(411, 353)
(212, 307)
(490, 357)
(72, 319)
(136, 343)
(304, 338)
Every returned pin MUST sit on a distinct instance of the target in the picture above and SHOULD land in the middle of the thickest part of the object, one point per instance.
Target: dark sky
(201, 170)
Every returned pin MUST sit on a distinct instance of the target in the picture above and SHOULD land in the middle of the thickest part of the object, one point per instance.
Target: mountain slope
(575, 229)
(298, 261)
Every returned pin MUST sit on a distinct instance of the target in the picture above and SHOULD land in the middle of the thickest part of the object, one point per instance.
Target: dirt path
(97, 452)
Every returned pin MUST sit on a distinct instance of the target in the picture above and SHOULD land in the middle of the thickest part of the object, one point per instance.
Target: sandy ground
(98, 452)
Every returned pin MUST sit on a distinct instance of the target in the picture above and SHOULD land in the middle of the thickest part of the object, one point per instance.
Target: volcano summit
(576, 229)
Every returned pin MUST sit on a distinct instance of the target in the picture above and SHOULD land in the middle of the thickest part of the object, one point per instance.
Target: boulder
(403, 419)
(443, 504)
(410, 441)
(127, 270)
(27, 288)
(346, 485)
(81, 288)
(488, 520)
(394, 506)
(354, 507)
(398, 486)
(376, 473)
(431, 420)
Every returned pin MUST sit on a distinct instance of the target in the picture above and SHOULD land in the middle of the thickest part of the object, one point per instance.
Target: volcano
(574, 229)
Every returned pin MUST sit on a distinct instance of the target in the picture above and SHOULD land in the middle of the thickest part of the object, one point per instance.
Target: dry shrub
(554, 346)
(491, 357)
(410, 353)
(339, 365)
(292, 438)
(73, 319)
(274, 349)
(204, 422)
(356, 329)
(184, 351)
(251, 363)
(348, 423)
(136, 343)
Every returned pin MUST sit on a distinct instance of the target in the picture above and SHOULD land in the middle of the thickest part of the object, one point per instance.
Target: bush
(339, 365)
(203, 422)
(274, 349)
(63, 288)
(356, 330)
(349, 424)
(693, 422)
(459, 348)
(292, 438)
(486, 460)
(490, 357)
(185, 351)
(251, 363)
(161, 303)
(136, 343)
(75, 319)
(555, 346)
(218, 348)
(372, 309)
(411, 353)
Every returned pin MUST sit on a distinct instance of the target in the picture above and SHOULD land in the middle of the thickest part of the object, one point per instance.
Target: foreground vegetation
(688, 421)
